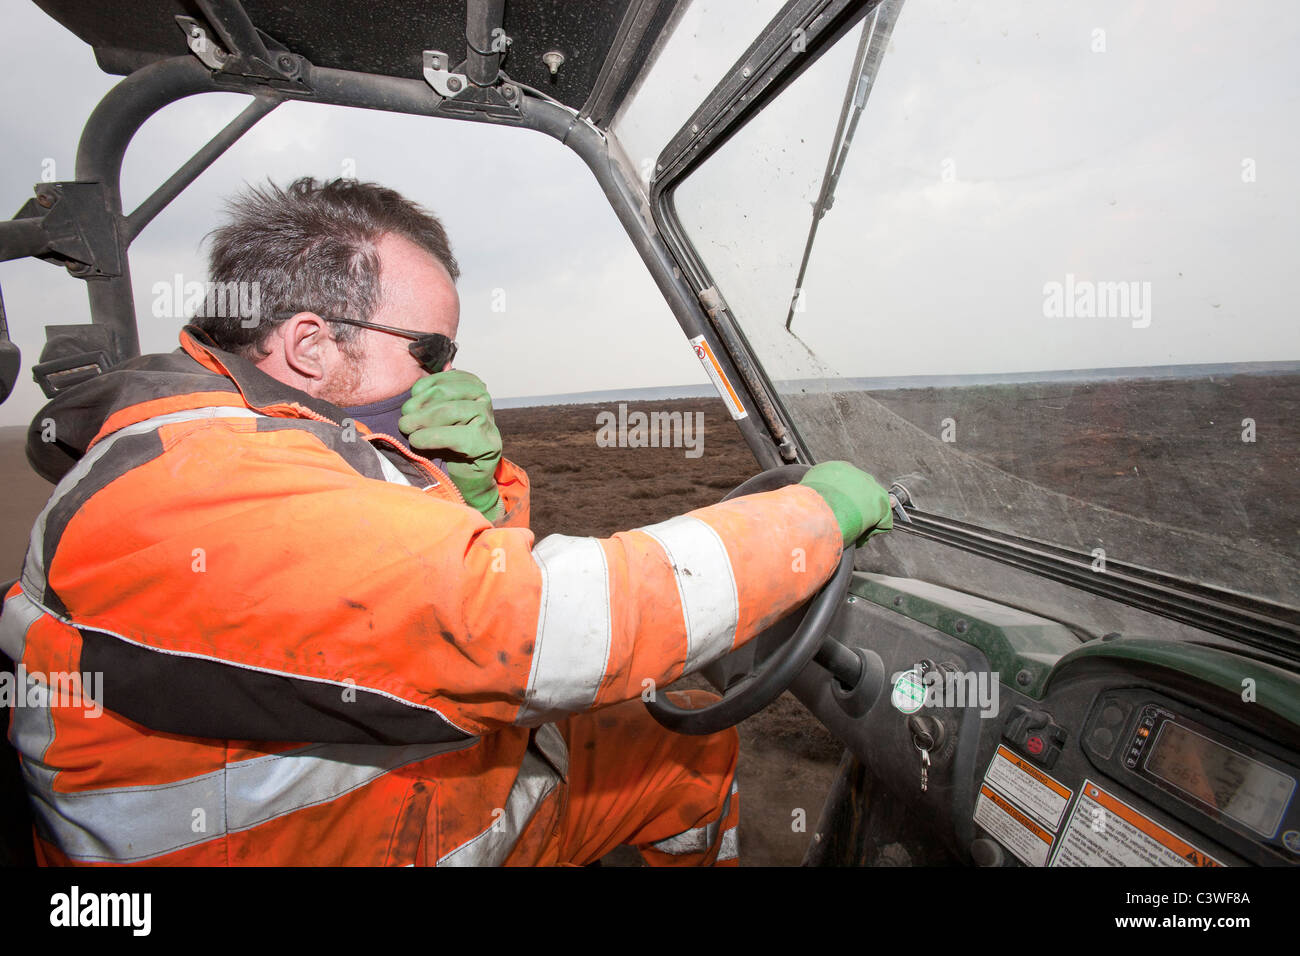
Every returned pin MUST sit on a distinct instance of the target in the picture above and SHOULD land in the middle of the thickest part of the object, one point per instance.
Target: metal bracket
(272, 65)
(213, 57)
(712, 301)
(899, 499)
(80, 232)
(437, 73)
(462, 96)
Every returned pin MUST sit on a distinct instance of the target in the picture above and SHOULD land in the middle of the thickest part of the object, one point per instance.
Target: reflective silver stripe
(127, 824)
(34, 569)
(551, 743)
(705, 583)
(571, 650)
(730, 848)
(32, 728)
(18, 615)
(692, 841)
(699, 839)
(491, 847)
(271, 786)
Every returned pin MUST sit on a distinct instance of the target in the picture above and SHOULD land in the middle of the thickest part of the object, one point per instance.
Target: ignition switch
(927, 732)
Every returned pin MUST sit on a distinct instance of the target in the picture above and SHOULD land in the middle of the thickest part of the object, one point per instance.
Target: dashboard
(1000, 739)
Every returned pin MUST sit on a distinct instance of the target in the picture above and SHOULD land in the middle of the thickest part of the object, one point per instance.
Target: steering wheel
(769, 679)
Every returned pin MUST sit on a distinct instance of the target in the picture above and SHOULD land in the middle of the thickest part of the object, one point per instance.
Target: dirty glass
(1050, 290)
(708, 37)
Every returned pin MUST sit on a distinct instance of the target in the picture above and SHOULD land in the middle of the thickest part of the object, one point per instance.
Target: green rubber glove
(860, 505)
(451, 413)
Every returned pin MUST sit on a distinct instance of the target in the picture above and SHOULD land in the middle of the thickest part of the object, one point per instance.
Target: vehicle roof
(387, 37)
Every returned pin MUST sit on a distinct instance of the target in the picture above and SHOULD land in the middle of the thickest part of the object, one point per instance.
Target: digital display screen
(1238, 786)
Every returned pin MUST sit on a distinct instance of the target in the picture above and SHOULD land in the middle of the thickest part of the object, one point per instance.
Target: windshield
(1033, 263)
(708, 36)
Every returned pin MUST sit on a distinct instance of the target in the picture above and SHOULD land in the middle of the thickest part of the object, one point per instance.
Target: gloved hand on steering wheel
(860, 504)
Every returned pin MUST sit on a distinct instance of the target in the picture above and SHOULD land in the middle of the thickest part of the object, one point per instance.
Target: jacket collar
(196, 375)
(260, 391)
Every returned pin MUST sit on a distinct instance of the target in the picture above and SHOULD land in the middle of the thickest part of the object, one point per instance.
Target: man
(318, 646)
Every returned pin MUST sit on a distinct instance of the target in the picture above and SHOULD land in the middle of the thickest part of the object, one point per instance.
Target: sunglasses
(432, 350)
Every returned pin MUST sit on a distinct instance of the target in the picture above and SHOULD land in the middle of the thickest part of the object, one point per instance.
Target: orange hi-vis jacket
(311, 651)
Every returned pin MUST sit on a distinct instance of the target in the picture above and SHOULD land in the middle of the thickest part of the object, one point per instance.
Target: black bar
(200, 161)
(20, 238)
(234, 29)
(481, 18)
(844, 665)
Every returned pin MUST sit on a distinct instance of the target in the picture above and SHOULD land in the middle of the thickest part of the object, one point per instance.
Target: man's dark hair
(309, 248)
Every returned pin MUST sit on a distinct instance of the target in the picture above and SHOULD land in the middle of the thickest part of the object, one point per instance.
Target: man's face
(416, 294)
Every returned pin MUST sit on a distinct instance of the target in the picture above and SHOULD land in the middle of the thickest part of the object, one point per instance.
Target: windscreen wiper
(866, 63)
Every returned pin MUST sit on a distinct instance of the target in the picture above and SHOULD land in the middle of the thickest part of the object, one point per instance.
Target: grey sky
(1006, 146)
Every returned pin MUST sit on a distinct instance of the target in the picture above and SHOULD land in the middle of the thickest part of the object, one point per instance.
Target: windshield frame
(769, 65)
(764, 72)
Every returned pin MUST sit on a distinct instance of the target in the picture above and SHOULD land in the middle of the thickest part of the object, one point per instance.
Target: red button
(1034, 745)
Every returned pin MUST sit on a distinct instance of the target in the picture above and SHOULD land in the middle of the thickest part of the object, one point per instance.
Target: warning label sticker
(1030, 842)
(719, 378)
(1105, 831)
(1030, 789)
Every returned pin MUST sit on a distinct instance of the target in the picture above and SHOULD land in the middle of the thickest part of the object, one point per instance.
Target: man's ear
(306, 341)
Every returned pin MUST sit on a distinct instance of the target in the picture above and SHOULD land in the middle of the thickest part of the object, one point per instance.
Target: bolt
(898, 600)
(285, 62)
(962, 625)
(44, 199)
(509, 92)
(553, 59)
(694, 128)
(1024, 678)
(745, 72)
(453, 84)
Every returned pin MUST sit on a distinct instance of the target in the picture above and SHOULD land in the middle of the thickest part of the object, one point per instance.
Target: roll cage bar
(81, 224)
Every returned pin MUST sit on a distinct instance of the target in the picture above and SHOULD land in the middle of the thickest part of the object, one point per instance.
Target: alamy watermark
(179, 299)
(941, 687)
(75, 908)
(24, 688)
(1085, 299)
(639, 429)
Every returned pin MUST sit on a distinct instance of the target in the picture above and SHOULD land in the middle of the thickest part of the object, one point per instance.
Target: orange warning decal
(1015, 814)
(1044, 779)
(1152, 829)
(705, 354)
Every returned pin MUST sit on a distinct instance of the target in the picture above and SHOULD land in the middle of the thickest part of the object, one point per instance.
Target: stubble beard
(344, 384)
